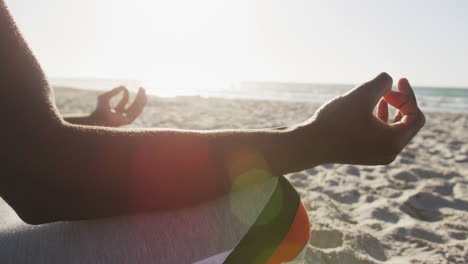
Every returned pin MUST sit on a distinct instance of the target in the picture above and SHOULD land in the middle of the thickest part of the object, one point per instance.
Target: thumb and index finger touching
(121, 106)
(135, 109)
(108, 95)
(403, 99)
(412, 119)
(379, 90)
(123, 101)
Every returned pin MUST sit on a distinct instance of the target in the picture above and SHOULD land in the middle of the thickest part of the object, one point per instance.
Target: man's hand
(345, 130)
(108, 115)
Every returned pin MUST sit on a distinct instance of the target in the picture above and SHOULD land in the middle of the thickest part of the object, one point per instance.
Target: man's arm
(87, 172)
(53, 170)
(25, 93)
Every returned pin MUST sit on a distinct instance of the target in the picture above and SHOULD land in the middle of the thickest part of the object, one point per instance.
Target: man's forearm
(97, 172)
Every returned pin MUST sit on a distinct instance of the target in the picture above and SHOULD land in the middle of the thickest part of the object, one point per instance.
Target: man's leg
(183, 236)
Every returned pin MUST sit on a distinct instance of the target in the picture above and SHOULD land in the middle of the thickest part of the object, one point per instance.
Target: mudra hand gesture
(350, 133)
(108, 115)
(113, 116)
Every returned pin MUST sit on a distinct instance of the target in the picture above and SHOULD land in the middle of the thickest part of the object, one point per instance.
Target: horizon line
(258, 81)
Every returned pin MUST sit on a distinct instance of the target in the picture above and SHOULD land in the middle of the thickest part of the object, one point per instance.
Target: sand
(414, 210)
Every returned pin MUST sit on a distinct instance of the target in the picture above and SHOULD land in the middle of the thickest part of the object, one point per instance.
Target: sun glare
(196, 42)
(177, 47)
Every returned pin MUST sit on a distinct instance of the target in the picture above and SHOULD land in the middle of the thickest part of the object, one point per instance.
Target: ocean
(432, 99)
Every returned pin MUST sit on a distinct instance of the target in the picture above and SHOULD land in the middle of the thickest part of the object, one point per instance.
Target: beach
(414, 210)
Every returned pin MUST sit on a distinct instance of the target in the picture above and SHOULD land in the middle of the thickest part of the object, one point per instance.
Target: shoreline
(74, 91)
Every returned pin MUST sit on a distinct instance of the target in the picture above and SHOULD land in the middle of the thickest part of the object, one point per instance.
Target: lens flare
(249, 174)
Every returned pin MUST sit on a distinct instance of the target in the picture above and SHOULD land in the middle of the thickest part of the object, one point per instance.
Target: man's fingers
(123, 102)
(134, 110)
(374, 89)
(409, 119)
(398, 117)
(405, 104)
(108, 95)
(408, 126)
(405, 88)
(382, 110)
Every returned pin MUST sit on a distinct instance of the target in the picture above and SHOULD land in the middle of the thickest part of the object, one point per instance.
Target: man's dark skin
(53, 170)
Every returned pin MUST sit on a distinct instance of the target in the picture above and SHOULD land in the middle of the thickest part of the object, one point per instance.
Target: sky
(202, 41)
